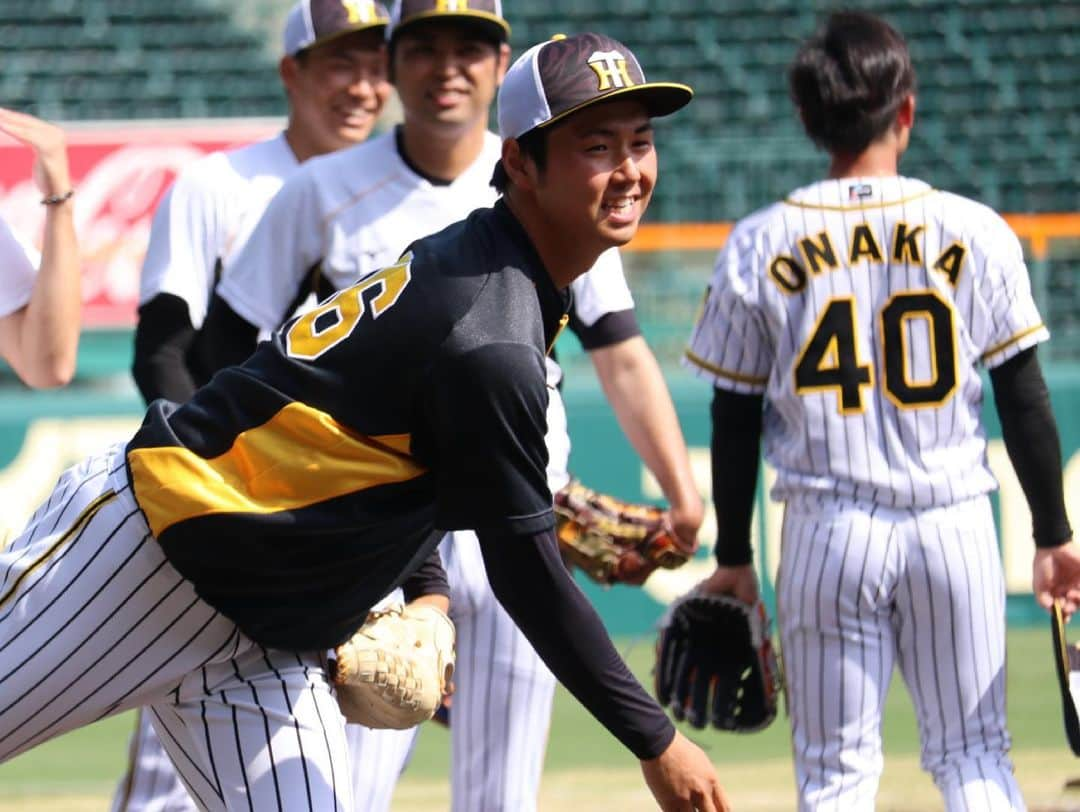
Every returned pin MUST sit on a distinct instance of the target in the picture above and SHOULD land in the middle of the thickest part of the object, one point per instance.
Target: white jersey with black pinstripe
(862, 308)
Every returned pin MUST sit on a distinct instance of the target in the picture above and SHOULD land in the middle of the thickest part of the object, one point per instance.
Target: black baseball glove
(715, 663)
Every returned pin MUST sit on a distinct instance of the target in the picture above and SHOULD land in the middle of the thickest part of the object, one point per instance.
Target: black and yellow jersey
(298, 489)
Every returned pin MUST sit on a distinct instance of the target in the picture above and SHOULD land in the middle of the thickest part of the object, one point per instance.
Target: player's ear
(519, 168)
(905, 113)
(289, 71)
(502, 63)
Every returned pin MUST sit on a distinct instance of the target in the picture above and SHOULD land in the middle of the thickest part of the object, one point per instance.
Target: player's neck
(565, 260)
(880, 159)
(442, 155)
(303, 145)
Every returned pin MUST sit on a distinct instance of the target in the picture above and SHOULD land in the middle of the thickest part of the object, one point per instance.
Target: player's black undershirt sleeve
(531, 582)
(736, 449)
(429, 579)
(163, 339)
(611, 328)
(226, 338)
(1031, 439)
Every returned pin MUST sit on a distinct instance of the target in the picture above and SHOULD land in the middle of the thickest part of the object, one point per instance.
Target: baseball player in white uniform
(845, 326)
(41, 295)
(333, 69)
(343, 216)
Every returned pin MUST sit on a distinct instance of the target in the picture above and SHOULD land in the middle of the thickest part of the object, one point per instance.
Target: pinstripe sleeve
(729, 345)
(1012, 321)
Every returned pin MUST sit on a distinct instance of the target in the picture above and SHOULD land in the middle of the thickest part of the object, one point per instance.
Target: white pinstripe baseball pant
(861, 588)
(95, 621)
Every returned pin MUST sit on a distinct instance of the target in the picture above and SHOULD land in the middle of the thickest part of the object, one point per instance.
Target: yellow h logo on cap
(610, 69)
(360, 11)
(451, 5)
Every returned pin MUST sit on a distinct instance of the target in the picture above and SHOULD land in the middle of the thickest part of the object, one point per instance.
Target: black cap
(484, 14)
(313, 22)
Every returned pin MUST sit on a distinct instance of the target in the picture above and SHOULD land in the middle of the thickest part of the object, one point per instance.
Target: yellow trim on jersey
(81, 521)
(1018, 337)
(299, 457)
(738, 377)
(564, 320)
(881, 205)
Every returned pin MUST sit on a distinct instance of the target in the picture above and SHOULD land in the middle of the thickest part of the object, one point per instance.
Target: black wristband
(52, 200)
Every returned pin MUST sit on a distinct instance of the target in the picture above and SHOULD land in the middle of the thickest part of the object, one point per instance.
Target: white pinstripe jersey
(206, 215)
(18, 270)
(862, 309)
(355, 211)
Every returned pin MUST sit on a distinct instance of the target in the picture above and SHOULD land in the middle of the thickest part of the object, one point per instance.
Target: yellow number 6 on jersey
(331, 322)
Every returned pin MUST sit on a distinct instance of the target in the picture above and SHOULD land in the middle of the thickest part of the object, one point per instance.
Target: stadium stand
(999, 100)
(124, 59)
(998, 120)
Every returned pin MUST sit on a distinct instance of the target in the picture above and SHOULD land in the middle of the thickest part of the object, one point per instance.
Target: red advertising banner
(120, 170)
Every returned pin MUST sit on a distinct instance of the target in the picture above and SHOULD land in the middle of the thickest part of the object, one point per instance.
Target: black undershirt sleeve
(611, 328)
(736, 449)
(163, 339)
(429, 579)
(532, 583)
(1031, 439)
(225, 339)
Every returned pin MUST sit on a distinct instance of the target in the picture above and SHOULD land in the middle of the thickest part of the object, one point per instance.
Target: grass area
(586, 769)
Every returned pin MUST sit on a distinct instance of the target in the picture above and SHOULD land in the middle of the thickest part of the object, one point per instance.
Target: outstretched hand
(1056, 577)
(49, 145)
(682, 779)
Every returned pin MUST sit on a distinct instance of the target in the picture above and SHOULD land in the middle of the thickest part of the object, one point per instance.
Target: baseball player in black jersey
(205, 567)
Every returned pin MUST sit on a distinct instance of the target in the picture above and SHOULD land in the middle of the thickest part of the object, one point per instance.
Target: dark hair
(849, 79)
(532, 144)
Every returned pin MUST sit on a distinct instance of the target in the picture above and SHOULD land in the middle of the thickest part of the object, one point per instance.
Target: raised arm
(40, 339)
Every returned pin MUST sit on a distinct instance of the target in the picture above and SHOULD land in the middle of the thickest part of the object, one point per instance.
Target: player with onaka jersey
(342, 217)
(845, 326)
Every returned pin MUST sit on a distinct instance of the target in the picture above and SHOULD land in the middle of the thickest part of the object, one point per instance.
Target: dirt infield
(760, 787)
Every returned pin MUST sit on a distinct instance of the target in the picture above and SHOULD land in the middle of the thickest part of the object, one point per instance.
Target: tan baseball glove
(394, 671)
(613, 541)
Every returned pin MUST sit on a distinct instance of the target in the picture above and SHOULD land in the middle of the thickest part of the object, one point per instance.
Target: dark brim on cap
(485, 20)
(378, 25)
(659, 99)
